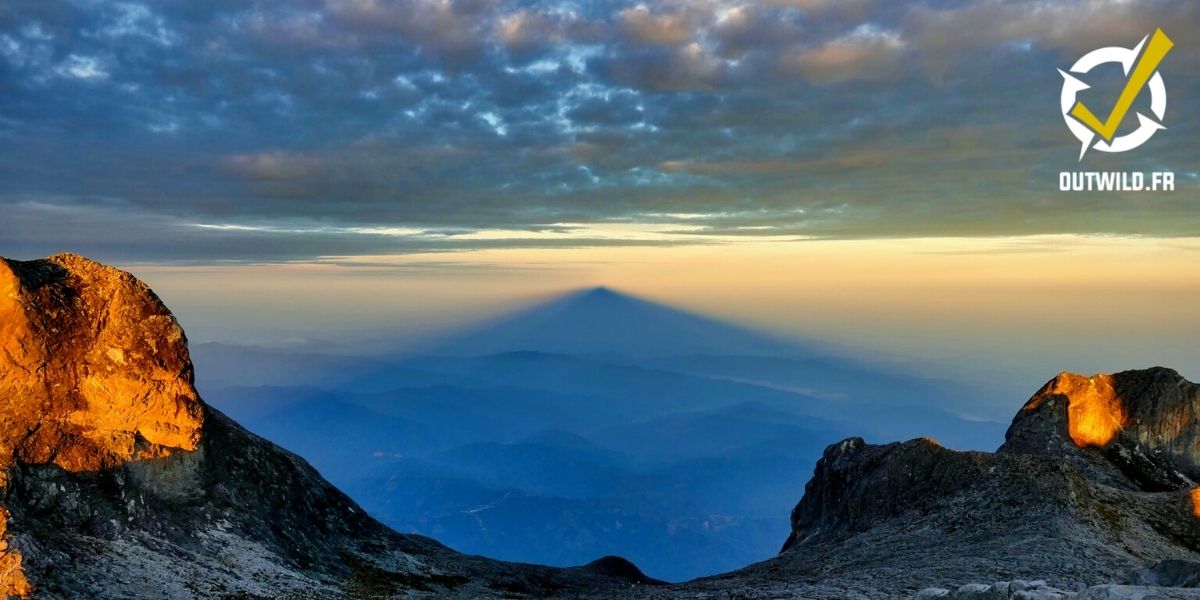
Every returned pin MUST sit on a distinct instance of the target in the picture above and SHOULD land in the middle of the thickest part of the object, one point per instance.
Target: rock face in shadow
(119, 482)
(1093, 485)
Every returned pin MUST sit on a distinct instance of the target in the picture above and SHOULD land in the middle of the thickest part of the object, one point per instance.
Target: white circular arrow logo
(1141, 69)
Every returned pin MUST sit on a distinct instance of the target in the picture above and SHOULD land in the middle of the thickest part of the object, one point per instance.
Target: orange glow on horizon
(992, 307)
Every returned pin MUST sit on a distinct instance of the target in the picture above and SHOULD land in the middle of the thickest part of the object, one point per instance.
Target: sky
(886, 169)
(1017, 309)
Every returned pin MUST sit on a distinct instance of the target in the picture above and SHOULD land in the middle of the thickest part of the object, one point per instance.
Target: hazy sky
(882, 172)
(1024, 308)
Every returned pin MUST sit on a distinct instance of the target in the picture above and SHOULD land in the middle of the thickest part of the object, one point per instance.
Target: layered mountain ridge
(120, 482)
(709, 429)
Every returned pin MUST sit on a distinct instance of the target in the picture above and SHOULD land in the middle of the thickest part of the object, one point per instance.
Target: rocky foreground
(117, 481)
(1092, 495)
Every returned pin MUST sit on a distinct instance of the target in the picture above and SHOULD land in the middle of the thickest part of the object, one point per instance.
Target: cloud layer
(248, 131)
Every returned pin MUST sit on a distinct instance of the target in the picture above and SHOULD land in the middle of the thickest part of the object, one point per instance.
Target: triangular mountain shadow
(601, 321)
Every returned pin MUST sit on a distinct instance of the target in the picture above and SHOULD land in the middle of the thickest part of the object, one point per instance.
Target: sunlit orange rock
(1145, 423)
(1094, 413)
(1195, 495)
(12, 578)
(94, 372)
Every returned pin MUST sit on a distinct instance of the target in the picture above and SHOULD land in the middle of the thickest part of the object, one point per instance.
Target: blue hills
(596, 423)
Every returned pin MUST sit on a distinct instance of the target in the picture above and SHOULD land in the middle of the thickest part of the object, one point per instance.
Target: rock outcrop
(1090, 497)
(117, 481)
(95, 370)
(1040, 590)
(1145, 423)
(1093, 485)
(94, 373)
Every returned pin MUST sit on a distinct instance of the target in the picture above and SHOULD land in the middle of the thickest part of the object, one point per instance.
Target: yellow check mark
(1147, 64)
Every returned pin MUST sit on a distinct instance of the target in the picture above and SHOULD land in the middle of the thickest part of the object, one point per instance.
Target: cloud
(87, 68)
(316, 122)
(946, 36)
(130, 19)
(867, 52)
(272, 165)
(531, 33)
(690, 67)
(451, 28)
(526, 29)
(643, 27)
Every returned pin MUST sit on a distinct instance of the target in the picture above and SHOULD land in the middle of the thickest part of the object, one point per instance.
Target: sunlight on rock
(12, 577)
(64, 321)
(64, 402)
(1095, 413)
(1195, 496)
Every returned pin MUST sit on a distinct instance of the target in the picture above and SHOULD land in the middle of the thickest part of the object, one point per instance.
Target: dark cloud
(304, 128)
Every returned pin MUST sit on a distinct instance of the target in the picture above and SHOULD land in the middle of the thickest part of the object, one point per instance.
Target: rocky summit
(1092, 495)
(119, 482)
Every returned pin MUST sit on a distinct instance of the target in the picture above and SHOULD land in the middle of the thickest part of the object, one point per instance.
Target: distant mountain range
(703, 425)
(119, 482)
